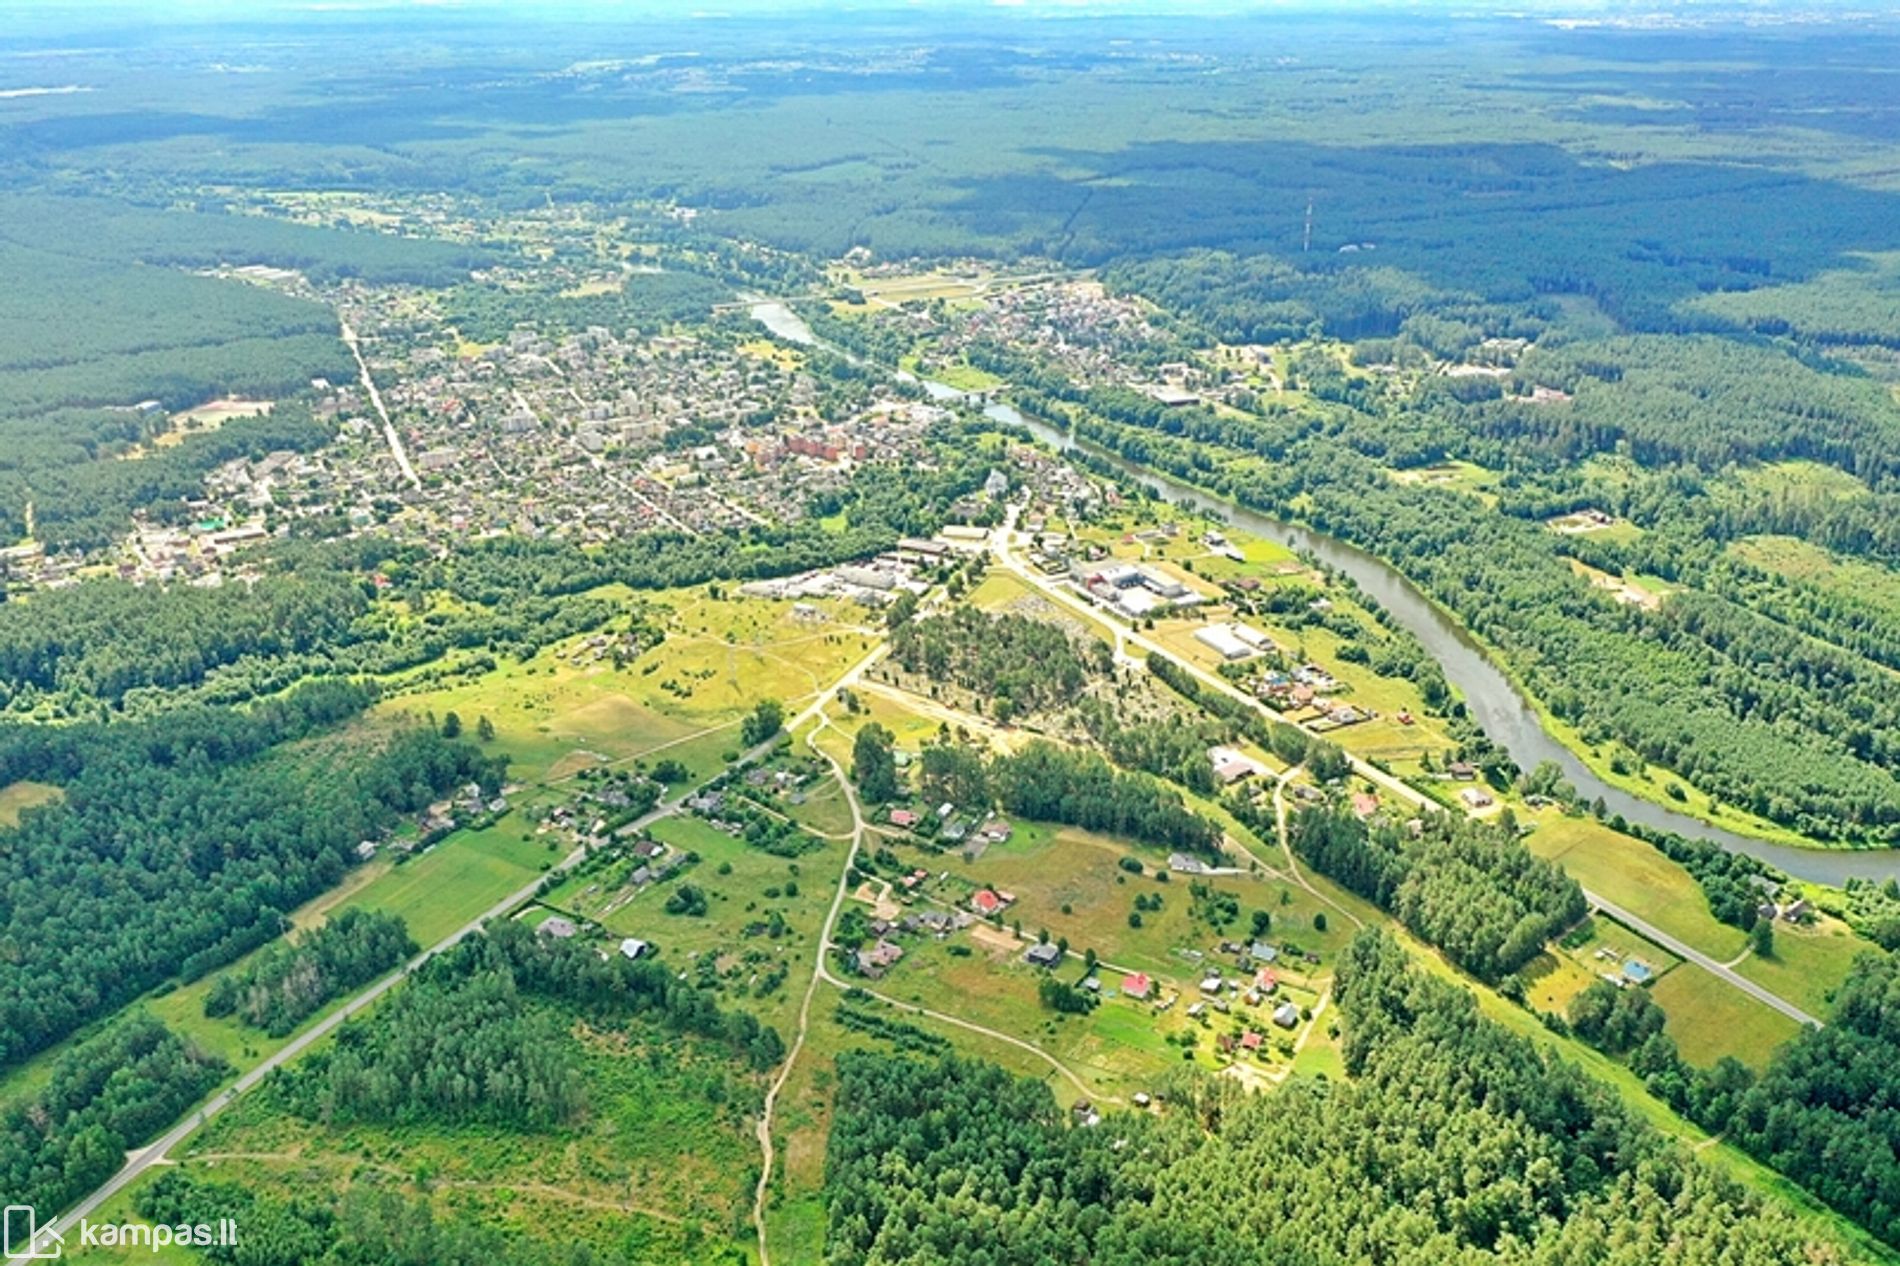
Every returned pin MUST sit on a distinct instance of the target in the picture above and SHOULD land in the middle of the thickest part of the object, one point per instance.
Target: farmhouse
(1230, 765)
(1137, 985)
(987, 901)
(878, 959)
(1286, 1015)
(560, 927)
(1043, 955)
(633, 947)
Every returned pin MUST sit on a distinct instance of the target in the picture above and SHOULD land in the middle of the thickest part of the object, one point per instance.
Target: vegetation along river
(1494, 701)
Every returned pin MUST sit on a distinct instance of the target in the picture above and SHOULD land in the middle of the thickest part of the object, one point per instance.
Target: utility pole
(1307, 245)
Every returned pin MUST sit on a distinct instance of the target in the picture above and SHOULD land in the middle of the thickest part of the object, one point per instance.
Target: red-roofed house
(1265, 981)
(1250, 1041)
(904, 818)
(1137, 985)
(987, 903)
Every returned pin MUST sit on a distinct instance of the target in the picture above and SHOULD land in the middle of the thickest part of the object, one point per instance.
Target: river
(1494, 701)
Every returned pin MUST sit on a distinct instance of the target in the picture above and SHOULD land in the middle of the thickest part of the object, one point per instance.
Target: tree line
(481, 1034)
(1453, 1140)
(286, 984)
(110, 1093)
(1467, 886)
(182, 844)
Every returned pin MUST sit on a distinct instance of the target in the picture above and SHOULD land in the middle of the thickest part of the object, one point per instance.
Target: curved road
(1001, 544)
(153, 1153)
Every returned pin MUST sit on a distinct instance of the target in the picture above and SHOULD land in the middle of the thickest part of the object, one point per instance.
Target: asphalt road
(155, 1152)
(1398, 787)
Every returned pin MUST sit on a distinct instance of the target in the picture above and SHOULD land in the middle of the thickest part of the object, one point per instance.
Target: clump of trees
(1055, 784)
(284, 984)
(481, 1034)
(1018, 664)
(108, 1094)
(874, 763)
(1467, 886)
(1489, 1149)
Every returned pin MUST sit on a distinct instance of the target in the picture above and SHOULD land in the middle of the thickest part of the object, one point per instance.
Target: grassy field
(459, 878)
(1710, 1018)
(1863, 584)
(1552, 979)
(662, 1160)
(17, 798)
(1455, 476)
(1808, 963)
(562, 710)
(729, 946)
(1633, 875)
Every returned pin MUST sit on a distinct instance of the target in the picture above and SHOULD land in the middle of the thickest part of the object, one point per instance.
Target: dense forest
(111, 1092)
(182, 844)
(1058, 784)
(1825, 1112)
(1468, 886)
(286, 983)
(1454, 1141)
(482, 1034)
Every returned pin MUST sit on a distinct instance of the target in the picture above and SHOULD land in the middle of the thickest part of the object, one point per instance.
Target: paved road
(1696, 956)
(1398, 787)
(154, 1153)
(376, 398)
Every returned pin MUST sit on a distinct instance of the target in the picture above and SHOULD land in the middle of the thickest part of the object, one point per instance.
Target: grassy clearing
(1710, 1018)
(730, 946)
(1632, 874)
(458, 879)
(1464, 477)
(562, 709)
(1808, 963)
(17, 798)
(1861, 583)
(1552, 979)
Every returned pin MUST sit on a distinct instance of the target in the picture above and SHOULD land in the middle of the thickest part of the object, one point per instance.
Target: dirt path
(819, 973)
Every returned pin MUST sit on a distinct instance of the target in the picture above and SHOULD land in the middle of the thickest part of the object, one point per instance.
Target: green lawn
(1634, 875)
(1710, 1018)
(1808, 963)
(458, 879)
